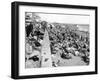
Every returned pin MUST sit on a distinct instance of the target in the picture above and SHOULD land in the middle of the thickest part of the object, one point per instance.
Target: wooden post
(46, 51)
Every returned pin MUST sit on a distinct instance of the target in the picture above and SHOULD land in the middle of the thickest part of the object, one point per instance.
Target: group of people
(66, 42)
(63, 42)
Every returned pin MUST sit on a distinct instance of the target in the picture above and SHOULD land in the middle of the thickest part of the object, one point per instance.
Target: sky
(66, 18)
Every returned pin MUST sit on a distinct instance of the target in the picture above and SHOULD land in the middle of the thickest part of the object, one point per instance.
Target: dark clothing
(29, 29)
